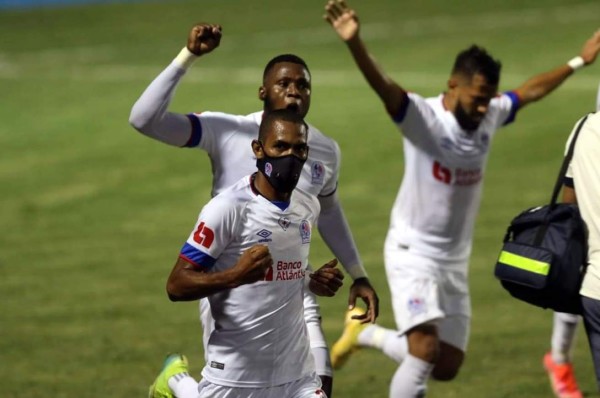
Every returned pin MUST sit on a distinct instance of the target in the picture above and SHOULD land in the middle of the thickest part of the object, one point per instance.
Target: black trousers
(591, 318)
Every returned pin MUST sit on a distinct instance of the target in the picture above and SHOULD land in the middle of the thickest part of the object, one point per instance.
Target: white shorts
(307, 387)
(425, 290)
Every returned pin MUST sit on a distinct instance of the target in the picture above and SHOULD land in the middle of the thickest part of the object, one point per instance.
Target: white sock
(410, 380)
(183, 385)
(563, 336)
(388, 341)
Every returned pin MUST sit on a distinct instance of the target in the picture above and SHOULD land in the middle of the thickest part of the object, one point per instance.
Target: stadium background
(93, 214)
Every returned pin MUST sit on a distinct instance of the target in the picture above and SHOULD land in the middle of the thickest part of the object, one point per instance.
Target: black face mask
(282, 172)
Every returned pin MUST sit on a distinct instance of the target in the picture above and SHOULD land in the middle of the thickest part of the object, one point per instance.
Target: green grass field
(93, 214)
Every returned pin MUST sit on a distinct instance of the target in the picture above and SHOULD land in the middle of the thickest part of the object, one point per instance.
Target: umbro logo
(264, 234)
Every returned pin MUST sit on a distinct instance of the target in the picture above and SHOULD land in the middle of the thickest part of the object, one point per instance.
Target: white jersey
(434, 212)
(260, 337)
(227, 140)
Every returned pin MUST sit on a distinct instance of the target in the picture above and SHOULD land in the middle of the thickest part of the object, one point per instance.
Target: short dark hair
(271, 117)
(476, 60)
(291, 58)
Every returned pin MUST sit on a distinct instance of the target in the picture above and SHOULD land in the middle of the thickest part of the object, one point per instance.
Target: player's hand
(326, 280)
(204, 38)
(591, 48)
(253, 264)
(342, 18)
(362, 288)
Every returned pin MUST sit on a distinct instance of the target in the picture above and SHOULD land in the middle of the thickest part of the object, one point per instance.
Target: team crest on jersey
(317, 173)
(284, 223)
(268, 169)
(264, 234)
(416, 306)
(305, 231)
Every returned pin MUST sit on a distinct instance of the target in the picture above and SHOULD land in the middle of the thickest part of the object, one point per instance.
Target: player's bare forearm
(187, 282)
(387, 89)
(543, 84)
(344, 20)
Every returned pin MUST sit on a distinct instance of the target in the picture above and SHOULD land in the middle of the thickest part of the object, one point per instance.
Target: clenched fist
(204, 38)
(253, 264)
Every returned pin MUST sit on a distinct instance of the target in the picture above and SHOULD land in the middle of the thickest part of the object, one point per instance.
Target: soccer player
(252, 268)
(286, 84)
(558, 362)
(446, 141)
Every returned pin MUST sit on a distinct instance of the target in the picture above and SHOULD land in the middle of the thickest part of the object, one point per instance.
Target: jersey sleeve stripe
(399, 116)
(196, 135)
(194, 256)
(516, 103)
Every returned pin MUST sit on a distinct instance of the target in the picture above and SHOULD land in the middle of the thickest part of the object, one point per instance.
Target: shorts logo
(268, 169)
(264, 234)
(305, 231)
(284, 223)
(317, 173)
(416, 306)
(217, 365)
(485, 139)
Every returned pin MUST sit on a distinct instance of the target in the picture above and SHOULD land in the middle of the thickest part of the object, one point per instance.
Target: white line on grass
(252, 76)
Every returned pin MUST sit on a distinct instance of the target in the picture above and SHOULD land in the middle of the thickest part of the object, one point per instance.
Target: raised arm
(345, 22)
(543, 84)
(149, 114)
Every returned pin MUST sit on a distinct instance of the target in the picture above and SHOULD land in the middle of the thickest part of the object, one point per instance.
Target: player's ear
(262, 93)
(257, 149)
(452, 82)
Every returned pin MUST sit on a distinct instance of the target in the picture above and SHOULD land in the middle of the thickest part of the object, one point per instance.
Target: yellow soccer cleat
(347, 344)
(174, 364)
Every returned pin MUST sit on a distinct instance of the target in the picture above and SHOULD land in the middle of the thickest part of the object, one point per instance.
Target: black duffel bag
(544, 255)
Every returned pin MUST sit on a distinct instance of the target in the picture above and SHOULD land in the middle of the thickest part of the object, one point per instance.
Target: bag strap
(565, 164)
(541, 232)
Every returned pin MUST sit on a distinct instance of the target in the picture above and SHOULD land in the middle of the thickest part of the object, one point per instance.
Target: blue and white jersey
(260, 337)
(227, 140)
(434, 212)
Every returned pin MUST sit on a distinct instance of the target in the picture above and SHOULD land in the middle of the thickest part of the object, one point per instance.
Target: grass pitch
(94, 214)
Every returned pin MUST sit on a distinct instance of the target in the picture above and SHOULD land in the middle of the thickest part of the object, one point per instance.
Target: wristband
(576, 63)
(185, 58)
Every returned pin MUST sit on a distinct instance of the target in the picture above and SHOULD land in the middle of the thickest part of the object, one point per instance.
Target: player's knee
(448, 364)
(444, 373)
(423, 343)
